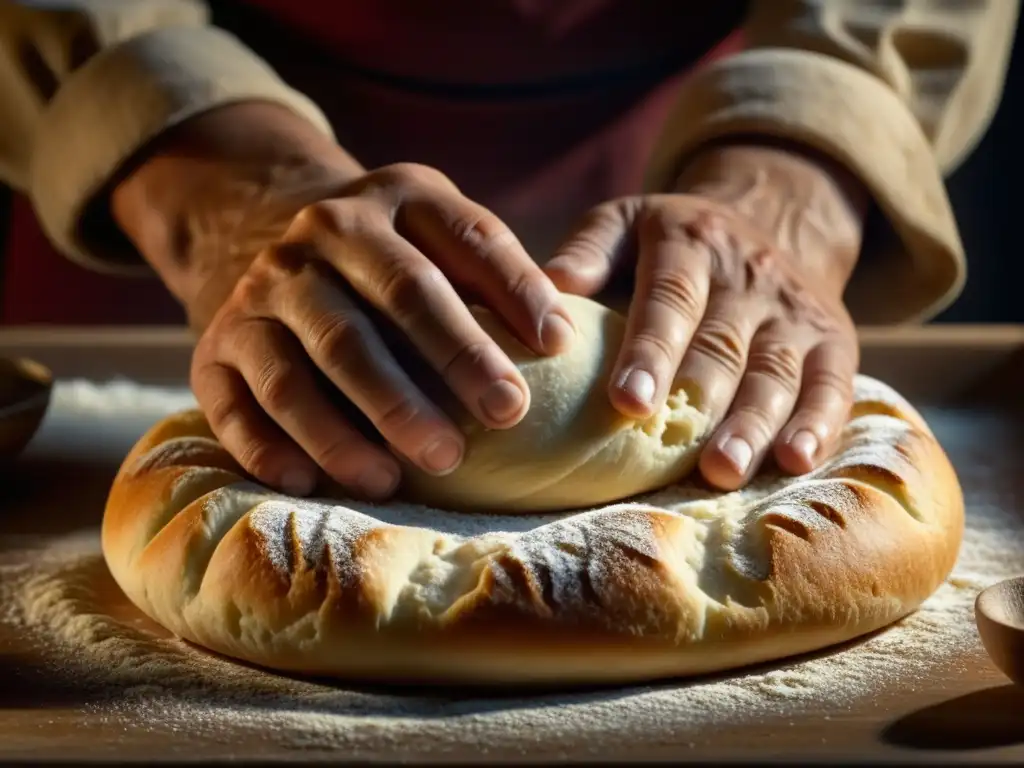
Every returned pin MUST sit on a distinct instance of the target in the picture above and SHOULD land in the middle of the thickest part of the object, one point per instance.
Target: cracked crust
(679, 582)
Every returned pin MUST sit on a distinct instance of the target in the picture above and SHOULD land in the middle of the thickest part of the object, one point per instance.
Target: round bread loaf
(682, 581)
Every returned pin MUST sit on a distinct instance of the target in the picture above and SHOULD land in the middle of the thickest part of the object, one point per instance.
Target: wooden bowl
(25, 388)
(999, 614)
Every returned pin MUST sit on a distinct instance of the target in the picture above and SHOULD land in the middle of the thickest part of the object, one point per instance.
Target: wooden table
(966, 714)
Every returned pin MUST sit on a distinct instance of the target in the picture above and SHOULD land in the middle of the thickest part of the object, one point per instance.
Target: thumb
(596, 249)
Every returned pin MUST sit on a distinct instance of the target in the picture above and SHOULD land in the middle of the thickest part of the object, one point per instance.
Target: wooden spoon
(999, 613)
(25, 388)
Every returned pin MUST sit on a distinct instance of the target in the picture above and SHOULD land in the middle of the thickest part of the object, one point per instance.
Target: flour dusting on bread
(573, 547)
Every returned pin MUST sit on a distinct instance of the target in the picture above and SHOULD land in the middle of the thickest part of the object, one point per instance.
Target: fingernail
(739, 452)
(443, 456)
(556, 333)
(502, 400)
(805, 443)
(639, 385)
(298, 482)
(378, 482)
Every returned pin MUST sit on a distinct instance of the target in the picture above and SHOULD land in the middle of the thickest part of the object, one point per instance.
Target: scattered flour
(93, 644)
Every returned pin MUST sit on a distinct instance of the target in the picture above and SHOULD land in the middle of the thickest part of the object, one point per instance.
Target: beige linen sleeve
(85, 83)
(899, 92)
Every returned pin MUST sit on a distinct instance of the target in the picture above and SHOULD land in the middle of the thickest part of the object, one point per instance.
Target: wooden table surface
(964, 712)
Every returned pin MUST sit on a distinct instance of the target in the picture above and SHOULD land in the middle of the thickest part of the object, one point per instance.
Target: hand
(347, 261)
(738, 295)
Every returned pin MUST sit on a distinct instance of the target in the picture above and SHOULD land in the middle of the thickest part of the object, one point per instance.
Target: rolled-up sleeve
(86, 84)
(898, 92)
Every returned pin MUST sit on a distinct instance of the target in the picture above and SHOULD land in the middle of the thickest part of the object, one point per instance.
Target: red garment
(537, 109)
(42, 287)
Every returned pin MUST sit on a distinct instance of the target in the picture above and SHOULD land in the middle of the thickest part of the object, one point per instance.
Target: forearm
(203, 199)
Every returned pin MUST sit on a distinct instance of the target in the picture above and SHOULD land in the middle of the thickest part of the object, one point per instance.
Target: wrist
(811, 206)
(205, 197)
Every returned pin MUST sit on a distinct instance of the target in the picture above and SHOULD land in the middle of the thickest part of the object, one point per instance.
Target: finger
(248, 434)
(672, 286)
(764, 400)
(478, 251)
(822, 409)
(394, 277)
(343, 343)
(596, 249)
(278, 374)
(716, 358)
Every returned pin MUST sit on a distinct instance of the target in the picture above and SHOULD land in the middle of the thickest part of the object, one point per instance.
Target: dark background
(983, 191)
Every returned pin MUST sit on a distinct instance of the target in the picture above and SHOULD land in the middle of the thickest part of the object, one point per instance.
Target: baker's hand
(353, 257)
(738, 289)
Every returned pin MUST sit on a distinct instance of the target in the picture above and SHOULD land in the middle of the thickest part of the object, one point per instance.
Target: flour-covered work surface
(72, 643)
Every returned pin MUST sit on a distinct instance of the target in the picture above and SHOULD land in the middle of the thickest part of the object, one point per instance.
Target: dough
(679, 582)
(573, 449)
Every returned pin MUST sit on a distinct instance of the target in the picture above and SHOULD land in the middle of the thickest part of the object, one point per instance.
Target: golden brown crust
(628, 592)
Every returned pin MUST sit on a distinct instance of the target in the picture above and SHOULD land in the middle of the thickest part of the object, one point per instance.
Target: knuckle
(481, 232)
(470, 354)
(321, 216)
(721, 340)
(590, 238)
(220, 412)
(779, 361)
(410, 174)
(274, 266)
(659, 223)
(656, 350)
(218, 405)
(587, 251)
(396, 418)
(403, 286)
(252, 290)
(586, 245)
(528, 288)
(830, 379)
(335, 218)
(755, 421)
(627, 210)
(677, 292)
(257, 457)
(203, 355)
(335, 337)
(609, 215)
(337, 453)
(273, 384)
(212, 353)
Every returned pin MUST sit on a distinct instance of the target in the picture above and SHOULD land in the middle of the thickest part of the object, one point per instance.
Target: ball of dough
(573, 449)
